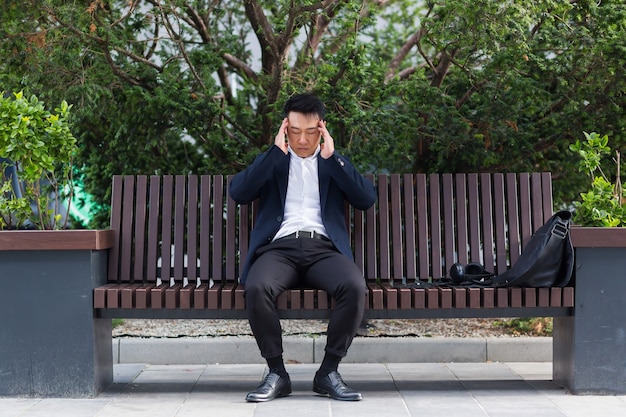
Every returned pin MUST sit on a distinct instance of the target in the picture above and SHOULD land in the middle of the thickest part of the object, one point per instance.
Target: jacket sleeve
(246, 186)
(359, 191)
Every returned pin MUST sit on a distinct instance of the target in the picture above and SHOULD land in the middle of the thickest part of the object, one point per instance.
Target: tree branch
(441, 71)
(177, 39)
(198, 23)
(468, 93)
(155, 41)
(241, 66)
(413, 40)
(227, 88)
(261, 26)
(103, 43)
(131, 8)
(402, 53)
(320, 22)
(124, 75)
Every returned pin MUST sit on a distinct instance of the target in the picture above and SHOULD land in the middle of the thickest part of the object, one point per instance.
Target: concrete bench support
(590, 346)
(50, 343)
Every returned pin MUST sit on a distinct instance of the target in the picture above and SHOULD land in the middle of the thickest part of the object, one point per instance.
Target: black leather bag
(546, 261)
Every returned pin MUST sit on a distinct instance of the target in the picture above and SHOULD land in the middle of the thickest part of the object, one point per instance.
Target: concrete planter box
(590, 347)
(49, 338)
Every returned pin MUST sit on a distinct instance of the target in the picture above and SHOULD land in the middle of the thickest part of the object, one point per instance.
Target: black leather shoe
(273, 386)
(333, 386)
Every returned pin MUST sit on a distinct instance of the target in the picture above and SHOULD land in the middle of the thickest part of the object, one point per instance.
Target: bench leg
(590, 347)
(50, 343)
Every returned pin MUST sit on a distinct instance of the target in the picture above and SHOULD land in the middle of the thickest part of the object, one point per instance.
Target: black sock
(277, 365)
(329, 364)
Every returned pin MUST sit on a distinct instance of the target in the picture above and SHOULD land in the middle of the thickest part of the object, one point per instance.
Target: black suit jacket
(266, 179)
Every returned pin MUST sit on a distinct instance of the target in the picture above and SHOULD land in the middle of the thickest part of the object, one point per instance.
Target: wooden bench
(180, 243)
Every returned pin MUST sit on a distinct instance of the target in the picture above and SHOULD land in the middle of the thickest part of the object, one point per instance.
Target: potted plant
(599, 239)
(37, 149)
(600, 214)
(601, 206)
(48, 270)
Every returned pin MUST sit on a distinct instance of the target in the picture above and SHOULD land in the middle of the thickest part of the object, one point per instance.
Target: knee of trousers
(255, 295)
(352, 292)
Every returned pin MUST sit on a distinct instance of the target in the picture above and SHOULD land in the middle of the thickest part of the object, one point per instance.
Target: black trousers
(310, 263)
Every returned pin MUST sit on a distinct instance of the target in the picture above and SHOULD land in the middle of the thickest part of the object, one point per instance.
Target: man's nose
(302, 138)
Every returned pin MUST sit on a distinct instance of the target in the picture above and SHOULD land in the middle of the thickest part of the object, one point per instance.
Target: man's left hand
(328, 146)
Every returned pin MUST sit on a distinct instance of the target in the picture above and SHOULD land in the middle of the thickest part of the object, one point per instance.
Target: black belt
(302, 234)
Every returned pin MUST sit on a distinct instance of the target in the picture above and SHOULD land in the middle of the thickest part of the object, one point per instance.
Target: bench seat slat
(214, 295)
(488, 298)
(142, 296)
(322, 300)
(445, 298)
(113, 296)
(227, 297)
(172, 296)
(128, 296)
(390, 296)
(186, 297)
(419, 299)
(460, 297)
(157, 296)
(240, 303)
(404, 298)
(309, 299)
(295, 301)
(200, 296)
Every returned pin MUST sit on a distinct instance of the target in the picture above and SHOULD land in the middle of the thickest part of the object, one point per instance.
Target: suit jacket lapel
(282, 178)
(324, 179)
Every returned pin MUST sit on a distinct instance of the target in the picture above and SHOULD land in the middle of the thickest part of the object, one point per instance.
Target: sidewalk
(389, 389)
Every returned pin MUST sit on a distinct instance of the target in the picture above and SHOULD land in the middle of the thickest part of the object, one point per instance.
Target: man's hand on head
(328, 145)
(281, 136)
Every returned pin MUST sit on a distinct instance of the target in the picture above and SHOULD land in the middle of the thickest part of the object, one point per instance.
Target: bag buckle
(560, 230)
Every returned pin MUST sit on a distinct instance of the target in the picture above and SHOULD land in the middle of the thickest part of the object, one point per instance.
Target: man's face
(303, 133)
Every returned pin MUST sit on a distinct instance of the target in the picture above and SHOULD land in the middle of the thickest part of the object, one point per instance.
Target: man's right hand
(281, 137)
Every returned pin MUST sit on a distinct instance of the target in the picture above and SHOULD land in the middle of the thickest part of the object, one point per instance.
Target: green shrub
(601, 205)
(41, 147)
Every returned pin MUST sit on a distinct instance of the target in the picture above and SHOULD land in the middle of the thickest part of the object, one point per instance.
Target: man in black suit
(300, 240)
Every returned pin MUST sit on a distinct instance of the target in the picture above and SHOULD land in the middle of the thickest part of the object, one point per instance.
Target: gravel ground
(374, 328)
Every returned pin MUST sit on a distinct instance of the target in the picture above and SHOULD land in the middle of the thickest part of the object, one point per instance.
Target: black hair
(306, 104)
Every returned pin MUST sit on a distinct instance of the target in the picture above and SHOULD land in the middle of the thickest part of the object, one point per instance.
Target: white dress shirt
(303, 211)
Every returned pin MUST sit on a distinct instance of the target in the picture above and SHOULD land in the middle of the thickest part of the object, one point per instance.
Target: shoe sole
(263, 400)
(325, 393)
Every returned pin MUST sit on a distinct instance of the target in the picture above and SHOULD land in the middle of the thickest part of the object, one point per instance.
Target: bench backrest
(420, 225)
